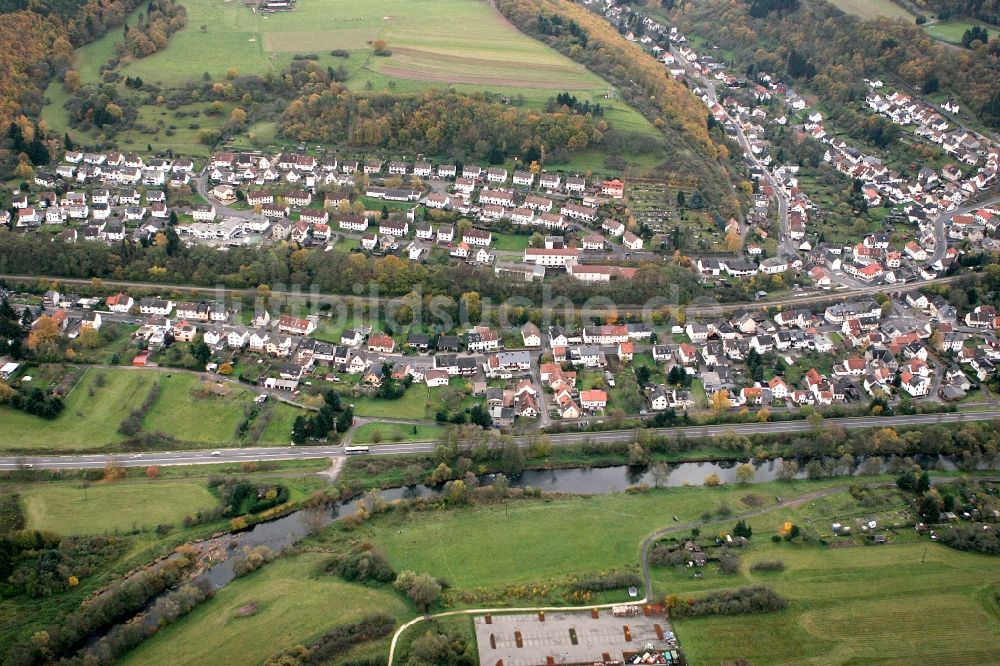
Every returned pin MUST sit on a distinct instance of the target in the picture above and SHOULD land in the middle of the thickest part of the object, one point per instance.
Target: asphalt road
(209, 456)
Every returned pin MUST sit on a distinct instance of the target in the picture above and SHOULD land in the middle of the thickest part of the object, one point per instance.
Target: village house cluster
(254, 197)
(933, 192)
(916, 346)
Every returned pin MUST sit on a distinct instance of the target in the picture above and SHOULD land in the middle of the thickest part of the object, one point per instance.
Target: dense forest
(151, 32)
(36, 43)
(835, 52)
(592, 41)
(434, 122)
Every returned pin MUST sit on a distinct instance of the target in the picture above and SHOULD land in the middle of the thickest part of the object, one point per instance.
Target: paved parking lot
(595, 639)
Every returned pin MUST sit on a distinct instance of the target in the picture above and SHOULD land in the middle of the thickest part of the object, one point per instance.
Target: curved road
(208, 456)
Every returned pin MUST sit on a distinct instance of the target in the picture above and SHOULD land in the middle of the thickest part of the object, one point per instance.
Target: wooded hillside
(36, 44)
(837, 51)
(643, 82)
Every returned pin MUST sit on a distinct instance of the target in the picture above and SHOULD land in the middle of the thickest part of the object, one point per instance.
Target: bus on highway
(353, 450)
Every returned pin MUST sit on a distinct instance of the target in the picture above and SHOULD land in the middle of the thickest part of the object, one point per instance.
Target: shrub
(336, 641)
(612, 581)
(362, 563)
(448, 648)
(421, 589)
(119, 601)
(972, 538)
(767, 566)
(255, 558)
(754, 599)
(729, 564)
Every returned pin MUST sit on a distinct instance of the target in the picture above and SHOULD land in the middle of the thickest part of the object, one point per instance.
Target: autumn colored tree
(113, 471)
(44, 332)
(719, 401)
(153, 472)
(734, 242)
(71, 79)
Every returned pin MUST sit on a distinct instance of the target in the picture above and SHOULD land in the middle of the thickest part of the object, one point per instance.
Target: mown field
(185, 409)
(387, 433)
(873, 9)
(431, 41)
(862, 605)
(462, 44)
(853, 605)
(75, 507)
(294, 605)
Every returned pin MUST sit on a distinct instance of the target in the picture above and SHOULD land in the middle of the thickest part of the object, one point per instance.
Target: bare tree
(661, 472)
(314, 520)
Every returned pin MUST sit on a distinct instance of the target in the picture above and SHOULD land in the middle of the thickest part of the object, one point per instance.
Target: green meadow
(293, 606)
(71, 508)
(186, 409)
(953, 31)
(465, 45)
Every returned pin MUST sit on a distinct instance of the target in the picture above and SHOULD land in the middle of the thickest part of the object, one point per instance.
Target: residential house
(381, 343)
(296, 325)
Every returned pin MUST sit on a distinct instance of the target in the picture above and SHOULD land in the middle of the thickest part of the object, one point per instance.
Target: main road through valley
(223, 455)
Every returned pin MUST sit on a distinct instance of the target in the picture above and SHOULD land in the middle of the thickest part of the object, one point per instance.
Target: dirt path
(333, 471)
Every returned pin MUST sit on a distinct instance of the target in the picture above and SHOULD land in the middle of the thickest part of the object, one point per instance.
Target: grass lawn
(698, 393)
(65, 508)
(510, 242)
(387, 433)
(178, 412)
(293, 608)
(279, 428)
(645, 359)
(413, 405)
(87, 421)
(330, 328)
(953, 31)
